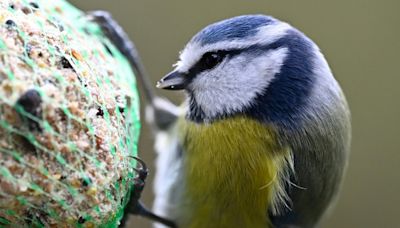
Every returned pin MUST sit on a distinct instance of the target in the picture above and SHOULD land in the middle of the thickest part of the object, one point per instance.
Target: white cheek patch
(233, 85)
(265, 35)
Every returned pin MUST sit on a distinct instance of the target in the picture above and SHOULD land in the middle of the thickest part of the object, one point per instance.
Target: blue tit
(264, 135)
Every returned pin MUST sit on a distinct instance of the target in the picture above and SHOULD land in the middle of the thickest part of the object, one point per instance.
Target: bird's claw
(136, 207)
(139, 183)
(142, 171)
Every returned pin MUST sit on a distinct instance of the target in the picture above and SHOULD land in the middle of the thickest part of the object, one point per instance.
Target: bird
(263, 136)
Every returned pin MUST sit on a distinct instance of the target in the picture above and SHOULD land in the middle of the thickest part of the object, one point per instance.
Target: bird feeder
(69, 119)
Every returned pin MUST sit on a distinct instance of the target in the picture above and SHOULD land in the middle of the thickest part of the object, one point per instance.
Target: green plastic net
(69, 119)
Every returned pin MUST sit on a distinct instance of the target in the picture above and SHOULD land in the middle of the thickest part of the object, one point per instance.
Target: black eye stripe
(203, 65)
(210, 60)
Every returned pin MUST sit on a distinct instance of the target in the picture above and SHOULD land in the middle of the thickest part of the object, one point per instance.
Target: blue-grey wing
(168, 176)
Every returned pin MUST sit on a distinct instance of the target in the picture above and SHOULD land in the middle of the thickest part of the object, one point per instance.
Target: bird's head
(254, 65)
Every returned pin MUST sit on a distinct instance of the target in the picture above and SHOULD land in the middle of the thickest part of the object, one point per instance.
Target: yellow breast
(231, 173)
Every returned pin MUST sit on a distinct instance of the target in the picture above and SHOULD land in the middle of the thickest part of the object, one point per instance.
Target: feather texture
(231, 167)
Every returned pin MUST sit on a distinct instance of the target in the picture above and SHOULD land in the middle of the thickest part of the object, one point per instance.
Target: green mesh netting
(69, 119)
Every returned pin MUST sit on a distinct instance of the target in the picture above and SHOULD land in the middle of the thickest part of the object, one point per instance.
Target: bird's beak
(172, 81)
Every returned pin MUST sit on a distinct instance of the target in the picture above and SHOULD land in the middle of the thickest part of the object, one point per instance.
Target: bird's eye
(211, 59)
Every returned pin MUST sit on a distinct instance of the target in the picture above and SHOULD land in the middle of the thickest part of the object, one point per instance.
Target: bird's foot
(135, 206)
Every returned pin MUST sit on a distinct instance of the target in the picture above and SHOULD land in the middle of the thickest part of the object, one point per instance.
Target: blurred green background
(360, 39)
